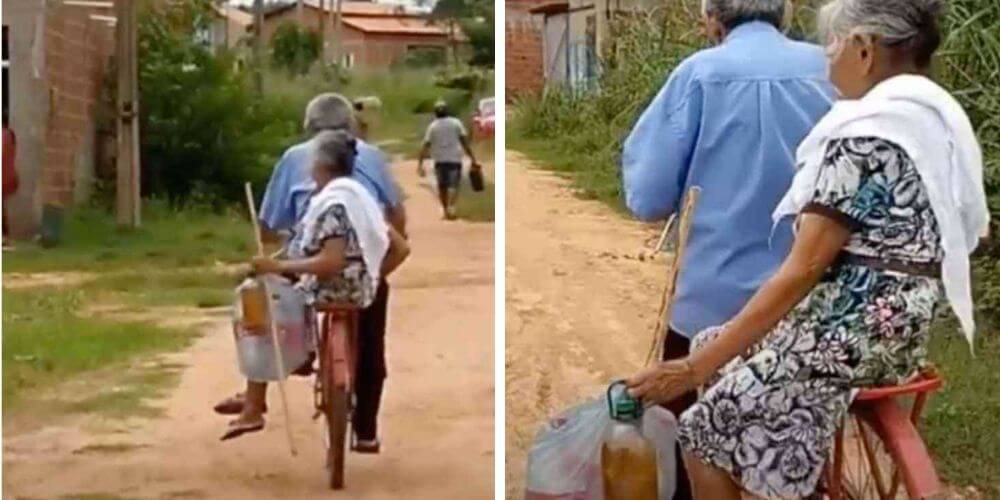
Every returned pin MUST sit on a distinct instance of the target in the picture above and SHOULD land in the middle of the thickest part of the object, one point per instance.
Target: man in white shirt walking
(445, 142)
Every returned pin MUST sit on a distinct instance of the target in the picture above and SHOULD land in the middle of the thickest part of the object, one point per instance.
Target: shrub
(204, 131)
(294, 48)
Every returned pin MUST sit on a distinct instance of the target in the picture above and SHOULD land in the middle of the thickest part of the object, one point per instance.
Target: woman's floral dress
(771, 416)
(349, 287)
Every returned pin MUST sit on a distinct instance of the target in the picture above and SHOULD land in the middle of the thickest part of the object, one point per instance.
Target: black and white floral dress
(350, 287)
(771, 416)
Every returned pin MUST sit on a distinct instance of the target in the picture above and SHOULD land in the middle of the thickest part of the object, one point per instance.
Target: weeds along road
(581, 305)
(437, 417)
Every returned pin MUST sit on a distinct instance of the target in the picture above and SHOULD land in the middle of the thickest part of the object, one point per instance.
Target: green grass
(47, 341)
(476, 207)
(960, 425)
(182, 287)
(481, 206)
(593, 175)
(168, 239)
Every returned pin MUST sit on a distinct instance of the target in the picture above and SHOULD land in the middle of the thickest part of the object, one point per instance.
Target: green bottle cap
(622, 406)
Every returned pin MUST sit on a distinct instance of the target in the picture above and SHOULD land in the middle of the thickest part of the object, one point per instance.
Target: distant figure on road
(444, 142)
(728, 119)
(285, 204)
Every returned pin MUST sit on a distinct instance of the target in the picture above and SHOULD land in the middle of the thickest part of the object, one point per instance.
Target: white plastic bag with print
(564, 462)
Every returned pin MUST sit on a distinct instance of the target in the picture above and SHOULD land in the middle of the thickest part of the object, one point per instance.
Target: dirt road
(437, 416)
(581, 305)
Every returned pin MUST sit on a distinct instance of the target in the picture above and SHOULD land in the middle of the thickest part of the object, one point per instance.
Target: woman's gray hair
(329, 112)
(335, 151)
(911, 24)
(732, 13)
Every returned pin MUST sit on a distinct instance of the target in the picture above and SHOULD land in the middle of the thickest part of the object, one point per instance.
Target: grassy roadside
(62, 335)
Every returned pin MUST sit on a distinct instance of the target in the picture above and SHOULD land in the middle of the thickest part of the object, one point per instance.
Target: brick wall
(523, 43)
(76, 54)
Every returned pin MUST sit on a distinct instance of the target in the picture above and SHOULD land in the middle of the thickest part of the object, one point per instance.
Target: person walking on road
(285, 203)
(444, 143)
(728, 119)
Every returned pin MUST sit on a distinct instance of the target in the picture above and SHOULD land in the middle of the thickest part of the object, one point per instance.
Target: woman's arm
(399, 250)
(817, 245)
(329, 261)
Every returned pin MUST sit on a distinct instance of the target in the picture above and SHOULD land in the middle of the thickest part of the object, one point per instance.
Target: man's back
(729, 120)
(445, 138)
(291, 183)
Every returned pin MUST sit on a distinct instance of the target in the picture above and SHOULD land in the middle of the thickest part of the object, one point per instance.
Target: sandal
(367, 447)
(232, 405)
(237, 429)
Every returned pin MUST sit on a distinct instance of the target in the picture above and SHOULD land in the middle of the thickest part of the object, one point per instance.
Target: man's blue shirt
(291, 184)
(729, 120)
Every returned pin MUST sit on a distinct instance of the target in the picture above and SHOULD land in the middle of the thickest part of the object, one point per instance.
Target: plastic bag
(565, 459)
(255, 348)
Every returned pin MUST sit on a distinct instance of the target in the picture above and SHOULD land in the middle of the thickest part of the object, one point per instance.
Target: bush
(204, 131)
(294, 49)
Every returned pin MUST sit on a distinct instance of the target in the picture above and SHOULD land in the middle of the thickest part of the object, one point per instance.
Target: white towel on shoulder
(930, 125)
(365, 215)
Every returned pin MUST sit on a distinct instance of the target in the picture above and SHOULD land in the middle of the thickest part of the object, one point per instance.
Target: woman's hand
(265, 265)
(663, 383)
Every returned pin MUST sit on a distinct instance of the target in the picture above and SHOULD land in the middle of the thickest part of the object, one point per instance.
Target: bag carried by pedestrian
(476, 179)
(565, 460)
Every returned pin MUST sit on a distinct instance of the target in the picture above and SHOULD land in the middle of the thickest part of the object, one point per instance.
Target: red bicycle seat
(925, 383)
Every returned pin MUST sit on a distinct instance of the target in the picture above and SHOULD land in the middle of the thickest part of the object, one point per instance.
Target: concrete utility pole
(322, 30)
(258, 30)
(337, 33)
(128, 196)
(298, 13)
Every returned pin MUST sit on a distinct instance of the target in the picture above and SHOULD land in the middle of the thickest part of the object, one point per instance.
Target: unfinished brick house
(58, 55)
(523, 43)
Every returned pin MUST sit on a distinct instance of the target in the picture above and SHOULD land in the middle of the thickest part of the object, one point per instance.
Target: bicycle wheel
(868, 470)
(337, 408)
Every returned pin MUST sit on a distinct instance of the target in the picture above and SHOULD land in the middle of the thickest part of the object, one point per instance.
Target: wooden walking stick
(278, 355)
(667, 301)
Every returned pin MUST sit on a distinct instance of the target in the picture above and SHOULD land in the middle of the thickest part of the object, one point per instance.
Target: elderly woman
(890, 204)
(341, 249)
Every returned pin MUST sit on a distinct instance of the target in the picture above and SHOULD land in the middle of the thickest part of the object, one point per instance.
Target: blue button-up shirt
(729, 120)
(291, 184)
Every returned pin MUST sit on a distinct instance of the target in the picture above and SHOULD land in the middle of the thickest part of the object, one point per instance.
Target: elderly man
(728, 120)
(285, 202)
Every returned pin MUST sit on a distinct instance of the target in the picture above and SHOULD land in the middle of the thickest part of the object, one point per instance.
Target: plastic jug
(253, 305)
(628, 459)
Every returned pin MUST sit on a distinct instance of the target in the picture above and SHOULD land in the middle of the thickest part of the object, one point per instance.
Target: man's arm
(657, 153)
(468, 149)
(276, 210)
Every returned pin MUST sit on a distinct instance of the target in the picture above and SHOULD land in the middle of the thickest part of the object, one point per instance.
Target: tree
(294, 48)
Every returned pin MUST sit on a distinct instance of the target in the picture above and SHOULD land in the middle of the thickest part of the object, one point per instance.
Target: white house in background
(576, 32)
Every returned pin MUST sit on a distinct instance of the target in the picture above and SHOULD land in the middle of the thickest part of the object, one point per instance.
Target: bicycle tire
(337, 409)
(869, 470)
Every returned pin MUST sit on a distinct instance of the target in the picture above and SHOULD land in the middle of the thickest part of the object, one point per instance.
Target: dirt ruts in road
(437, 417)
(580, 307)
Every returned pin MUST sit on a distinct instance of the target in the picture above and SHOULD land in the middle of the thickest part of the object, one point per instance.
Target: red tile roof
(395, 25)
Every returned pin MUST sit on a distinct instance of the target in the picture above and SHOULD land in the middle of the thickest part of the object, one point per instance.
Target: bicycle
(888, 452)
(333, 388)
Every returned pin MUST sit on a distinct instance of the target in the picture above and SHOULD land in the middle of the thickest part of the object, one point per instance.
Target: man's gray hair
(329, 111)
(912, 24)
(335, 150)
(732, 13)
